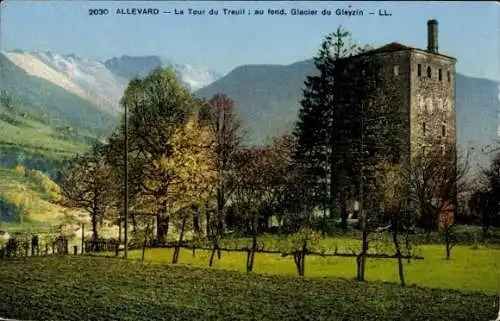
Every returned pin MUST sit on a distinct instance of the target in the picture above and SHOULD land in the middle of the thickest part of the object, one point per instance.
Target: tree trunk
(447, 238)
(361, 259)
(486, 233)
(119, 230)
(177, 249)
(408, 247)
(95, 236)
(196, 221)
(134, 223)
(297, 259)
(400, 260)
(144, 243)
(343, 211)
(215, 248)
(303, 261)
(331, 198)
(83, 239)
(220, 210)
(365, 250)
(163, 223)
(251, 254)
(207, 214)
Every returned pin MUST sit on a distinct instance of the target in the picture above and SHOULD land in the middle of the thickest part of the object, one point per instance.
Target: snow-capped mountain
(33, 66)
(92, 76)
(89, 79)
(196, 78)
(102, 83)
(130, 67)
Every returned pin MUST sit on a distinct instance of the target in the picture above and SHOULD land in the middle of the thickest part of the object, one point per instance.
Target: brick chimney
(432, 36)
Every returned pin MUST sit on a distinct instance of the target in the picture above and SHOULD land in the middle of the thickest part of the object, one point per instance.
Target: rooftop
(390, 47)
(395, 46)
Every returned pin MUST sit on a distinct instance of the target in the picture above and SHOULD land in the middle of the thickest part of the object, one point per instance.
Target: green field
(470, 268)
(35, 136)
(28, 203)
(93, 288)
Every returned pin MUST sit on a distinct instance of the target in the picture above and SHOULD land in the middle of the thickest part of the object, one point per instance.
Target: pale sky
(468, 31)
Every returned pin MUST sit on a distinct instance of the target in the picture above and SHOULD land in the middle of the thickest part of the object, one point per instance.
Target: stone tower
(432, 92)
(426, 92)
(421, 85)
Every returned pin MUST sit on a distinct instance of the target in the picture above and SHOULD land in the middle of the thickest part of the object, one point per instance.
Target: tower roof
(396, 46)
(390, 47)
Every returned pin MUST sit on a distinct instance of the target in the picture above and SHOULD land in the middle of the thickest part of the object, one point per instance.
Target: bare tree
(437, 175)
(88, 183)
(218, 115)
(396, 197)
(485, 199)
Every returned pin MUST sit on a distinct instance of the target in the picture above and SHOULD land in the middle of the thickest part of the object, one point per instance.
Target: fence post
(46, 249)
(53, 248)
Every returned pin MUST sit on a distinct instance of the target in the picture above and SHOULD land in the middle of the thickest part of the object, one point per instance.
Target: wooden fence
(23, 246)
(299, 255)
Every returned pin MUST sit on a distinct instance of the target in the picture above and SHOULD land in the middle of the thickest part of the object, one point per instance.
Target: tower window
(419, 70)
(429, 72)
(440, 74)
(448, 75)
(423, 127)
(396, 70)
(443, 130)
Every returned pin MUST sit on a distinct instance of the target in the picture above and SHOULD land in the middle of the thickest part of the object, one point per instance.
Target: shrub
(51, 190)
(20, 169)
(8, 211)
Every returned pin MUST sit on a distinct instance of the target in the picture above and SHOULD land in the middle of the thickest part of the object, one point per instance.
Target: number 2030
(98, 12)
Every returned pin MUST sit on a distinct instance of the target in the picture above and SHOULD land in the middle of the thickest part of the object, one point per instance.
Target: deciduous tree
(88, 183)
(218, 116)
(157, 106)
(485, 200)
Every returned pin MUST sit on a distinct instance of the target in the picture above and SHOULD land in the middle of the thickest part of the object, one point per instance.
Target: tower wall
(432, 101)
(396, 69)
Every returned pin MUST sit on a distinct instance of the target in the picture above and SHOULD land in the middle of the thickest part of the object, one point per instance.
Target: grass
(39, 212)
(92, 288)
(35, 136)
(27, 226)
(470, 268)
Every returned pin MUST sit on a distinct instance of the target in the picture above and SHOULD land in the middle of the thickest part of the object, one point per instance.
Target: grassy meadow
(471, 268)
(35, 136)
(95, 288)
(29, 200)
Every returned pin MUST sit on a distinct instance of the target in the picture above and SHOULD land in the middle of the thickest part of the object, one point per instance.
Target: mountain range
(267, 98)
(130, 67)
(84, 94)
(102, 83)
